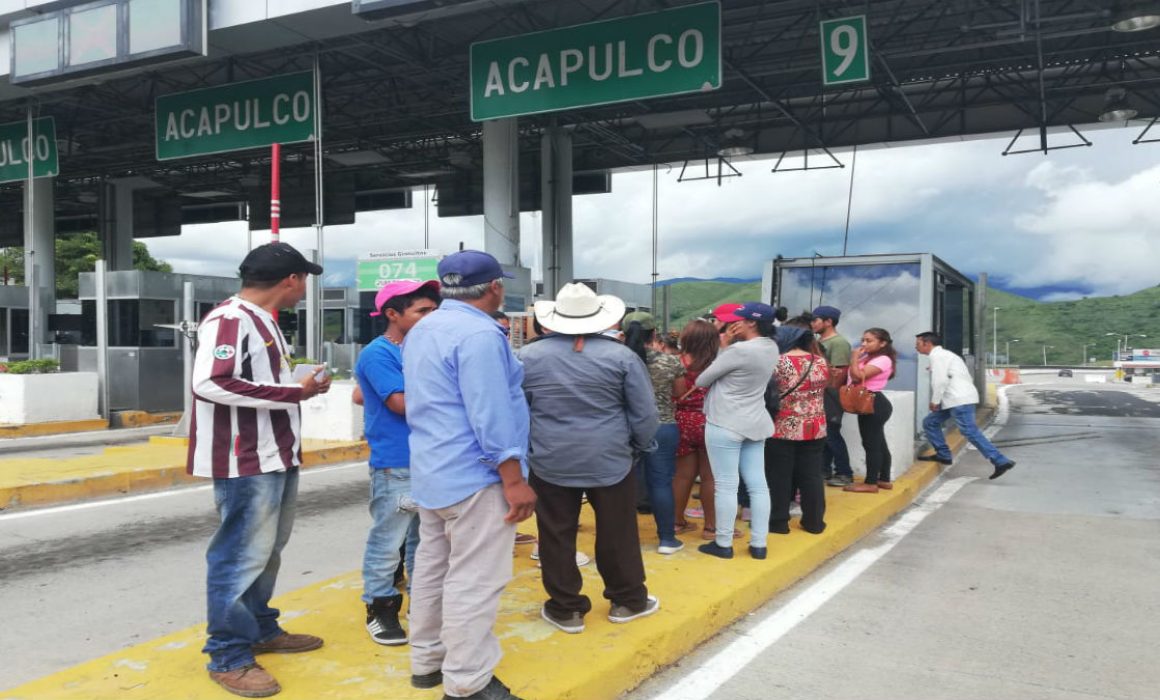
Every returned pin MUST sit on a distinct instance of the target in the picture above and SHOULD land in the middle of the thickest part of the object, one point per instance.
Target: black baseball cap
(275, 261)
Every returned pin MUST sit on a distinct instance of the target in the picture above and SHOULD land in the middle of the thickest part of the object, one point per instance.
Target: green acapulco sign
(15, 151)
(376, 271)
(237, 116)
(653, 55)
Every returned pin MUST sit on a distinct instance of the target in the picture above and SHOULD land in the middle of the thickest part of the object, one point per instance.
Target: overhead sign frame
(171, 110)
(699, 38)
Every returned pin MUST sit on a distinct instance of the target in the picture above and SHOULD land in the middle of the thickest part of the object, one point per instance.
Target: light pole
(1083, 360)
(1126, 336)
(1013, 340)
(1045, 353)
(995, 339)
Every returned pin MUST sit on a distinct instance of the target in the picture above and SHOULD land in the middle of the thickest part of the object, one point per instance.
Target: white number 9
(844, 42)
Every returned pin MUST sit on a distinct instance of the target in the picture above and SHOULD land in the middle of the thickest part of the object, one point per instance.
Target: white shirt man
(953, 395)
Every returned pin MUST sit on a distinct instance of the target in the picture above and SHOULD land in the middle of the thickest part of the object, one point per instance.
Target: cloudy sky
(1076, 222)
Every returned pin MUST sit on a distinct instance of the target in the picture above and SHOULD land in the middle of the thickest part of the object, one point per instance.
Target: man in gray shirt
(592, 412)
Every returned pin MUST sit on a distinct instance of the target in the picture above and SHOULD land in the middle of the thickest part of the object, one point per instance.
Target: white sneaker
(581, 558)
(671, 548)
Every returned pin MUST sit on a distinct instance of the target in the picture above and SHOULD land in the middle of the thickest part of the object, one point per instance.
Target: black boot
(383, 621)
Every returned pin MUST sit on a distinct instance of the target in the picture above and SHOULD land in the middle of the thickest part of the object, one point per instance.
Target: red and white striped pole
(275, 191)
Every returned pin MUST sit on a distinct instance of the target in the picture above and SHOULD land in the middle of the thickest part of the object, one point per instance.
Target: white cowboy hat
(578, 310)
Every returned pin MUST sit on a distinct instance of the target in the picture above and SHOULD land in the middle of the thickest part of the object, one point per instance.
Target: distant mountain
(727, 280)
(1064, 327)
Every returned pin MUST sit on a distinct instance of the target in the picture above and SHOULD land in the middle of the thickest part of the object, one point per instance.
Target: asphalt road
(1041, 584)
(81, 582)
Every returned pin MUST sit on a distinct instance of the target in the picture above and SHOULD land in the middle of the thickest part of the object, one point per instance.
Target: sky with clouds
(1075, 222)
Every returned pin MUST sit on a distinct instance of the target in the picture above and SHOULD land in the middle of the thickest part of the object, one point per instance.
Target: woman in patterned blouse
(793, 456)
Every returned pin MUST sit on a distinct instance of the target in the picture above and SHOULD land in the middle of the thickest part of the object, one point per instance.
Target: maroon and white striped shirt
(246, 418)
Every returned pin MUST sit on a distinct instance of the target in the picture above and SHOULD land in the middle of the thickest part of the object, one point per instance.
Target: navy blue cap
(788, 336)
(473, 267)
(828, 312)
(755, 311)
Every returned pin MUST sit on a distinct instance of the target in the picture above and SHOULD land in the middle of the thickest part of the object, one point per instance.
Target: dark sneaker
(248, 681)
(1001, 469)
(494, 690)
(716, 550)
(936, 458)
(839, 480)
(573, 623)
(622, 613)
(287, 643)
(757, 552)
(423, 681)
(383, 621)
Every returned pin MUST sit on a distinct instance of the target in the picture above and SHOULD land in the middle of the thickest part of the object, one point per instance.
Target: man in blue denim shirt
(379, 371)
(469, 438)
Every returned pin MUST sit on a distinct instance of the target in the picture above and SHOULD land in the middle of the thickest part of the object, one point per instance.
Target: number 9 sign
(845, 54)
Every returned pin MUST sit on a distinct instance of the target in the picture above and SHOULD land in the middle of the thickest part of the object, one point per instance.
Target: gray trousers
(462, 566)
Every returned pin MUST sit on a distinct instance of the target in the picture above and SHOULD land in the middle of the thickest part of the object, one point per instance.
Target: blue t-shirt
(380, 374)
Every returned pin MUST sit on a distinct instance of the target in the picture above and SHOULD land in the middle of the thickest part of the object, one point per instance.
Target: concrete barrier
(333, 416)
(48, 398)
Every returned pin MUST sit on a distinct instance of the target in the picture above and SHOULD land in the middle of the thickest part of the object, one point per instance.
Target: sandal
(683, 528)
(710, 533)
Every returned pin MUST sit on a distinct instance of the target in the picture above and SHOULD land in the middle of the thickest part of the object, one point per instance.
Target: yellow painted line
(700, 596)
(54, 428)
(120, 469)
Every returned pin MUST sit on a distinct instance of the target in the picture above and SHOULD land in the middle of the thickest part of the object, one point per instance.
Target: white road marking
(702, 681)
(74, 507)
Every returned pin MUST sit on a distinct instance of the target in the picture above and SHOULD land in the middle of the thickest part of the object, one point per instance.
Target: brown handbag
(856, 398)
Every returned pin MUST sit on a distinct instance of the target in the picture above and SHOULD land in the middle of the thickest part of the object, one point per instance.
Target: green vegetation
(75, 254)
(1063, 326)
(46, 366)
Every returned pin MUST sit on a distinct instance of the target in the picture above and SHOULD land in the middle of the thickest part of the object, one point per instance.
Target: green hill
(1063, 326)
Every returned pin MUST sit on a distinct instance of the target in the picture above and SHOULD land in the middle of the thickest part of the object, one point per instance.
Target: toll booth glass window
(19, 331)
(3, 331)
(154, 24)
(869, 296)
(92, 35)
(133, 323)
(35, 47)
(334, 326)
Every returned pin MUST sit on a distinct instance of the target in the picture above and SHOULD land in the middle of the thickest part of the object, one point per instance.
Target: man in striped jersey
(245, 436)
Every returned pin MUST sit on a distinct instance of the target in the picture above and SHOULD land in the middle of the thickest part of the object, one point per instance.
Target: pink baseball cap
(390, 290)
(727, 313)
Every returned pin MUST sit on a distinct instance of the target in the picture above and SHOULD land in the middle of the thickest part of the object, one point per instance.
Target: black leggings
(872, 428)
(795, 465)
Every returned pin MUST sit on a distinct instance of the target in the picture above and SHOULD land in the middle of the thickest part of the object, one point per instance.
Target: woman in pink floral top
(793, 456)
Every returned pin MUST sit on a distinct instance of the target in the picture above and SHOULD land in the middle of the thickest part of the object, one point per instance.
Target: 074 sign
(845, 51)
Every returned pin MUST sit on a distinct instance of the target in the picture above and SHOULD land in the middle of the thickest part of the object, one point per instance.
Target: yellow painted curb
(54, 428)
(699, 596)
(122, 469)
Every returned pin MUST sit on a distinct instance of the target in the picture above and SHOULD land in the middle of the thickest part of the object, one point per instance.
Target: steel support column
(501, 190)
(39, 260)
(556, 204)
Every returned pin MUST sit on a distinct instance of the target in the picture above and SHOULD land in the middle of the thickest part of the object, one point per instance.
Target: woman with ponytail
(873, 364)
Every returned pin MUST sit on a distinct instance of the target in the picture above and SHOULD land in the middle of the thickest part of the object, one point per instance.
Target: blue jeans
(659, 467)
(835, 456)
(732, 456)
(391, 528)
(964, 417)
(257, 515)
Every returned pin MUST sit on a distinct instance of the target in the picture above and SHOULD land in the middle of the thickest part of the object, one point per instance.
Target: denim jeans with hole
(257, 515)
(732, 456)
(659, 467)
(391, 528)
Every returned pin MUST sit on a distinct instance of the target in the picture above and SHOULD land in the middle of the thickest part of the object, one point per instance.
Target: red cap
(397, 288)
(727, 313)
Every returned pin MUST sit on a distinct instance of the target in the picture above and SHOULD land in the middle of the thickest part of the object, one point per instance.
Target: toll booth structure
(145, 370)
(905, 294)
(13, 322)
